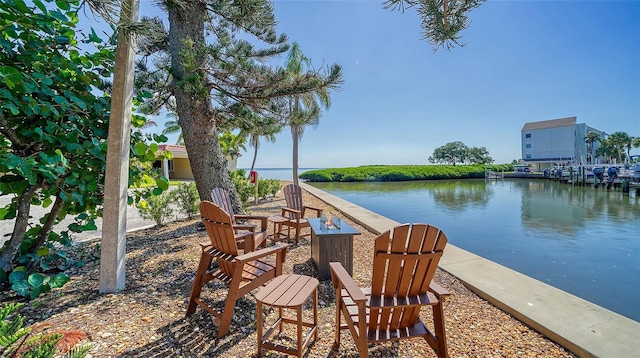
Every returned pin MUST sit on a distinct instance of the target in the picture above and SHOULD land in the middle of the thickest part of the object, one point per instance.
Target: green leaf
(17, 275)
(43, 251)
(63, 5)
(140, 149)
(10, 75)
(38, 290)
(59, 280)
(37, 279)
(163, 183)
(22, 287)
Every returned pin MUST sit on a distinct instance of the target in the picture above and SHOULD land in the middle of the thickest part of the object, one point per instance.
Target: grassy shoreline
(402, 172)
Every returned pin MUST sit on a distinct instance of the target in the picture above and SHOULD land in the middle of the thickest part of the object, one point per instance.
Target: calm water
(584, 241)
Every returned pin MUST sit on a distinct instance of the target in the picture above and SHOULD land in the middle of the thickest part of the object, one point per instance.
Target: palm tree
(304, 109)
(633, 142)
(619, 140)
(172, 127)
(590, 138)
(231, 144)
(266, 128)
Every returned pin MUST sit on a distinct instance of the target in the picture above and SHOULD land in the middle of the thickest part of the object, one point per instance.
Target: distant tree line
(458, 153)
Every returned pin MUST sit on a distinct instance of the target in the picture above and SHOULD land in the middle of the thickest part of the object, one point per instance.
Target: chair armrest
(247, 227)
(262, 218)
(291, 213)
(317, 210)
(340, 277)
(438, 290)
(254, 255)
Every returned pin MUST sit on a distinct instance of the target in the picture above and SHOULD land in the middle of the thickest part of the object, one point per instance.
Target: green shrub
(244, 189)
(400, 172)
(31, 286)
(268, 187)
(156, 207)
(187, 198)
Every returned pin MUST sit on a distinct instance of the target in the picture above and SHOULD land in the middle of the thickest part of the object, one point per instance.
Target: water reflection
(580, 239)
(460, 194)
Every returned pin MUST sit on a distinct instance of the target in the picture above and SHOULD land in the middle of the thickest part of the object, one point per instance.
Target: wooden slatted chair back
(293, 196)
(221, 198)
(220, 231)
(404, 265)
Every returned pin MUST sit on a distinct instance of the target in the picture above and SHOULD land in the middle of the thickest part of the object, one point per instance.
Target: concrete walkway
(582, 327)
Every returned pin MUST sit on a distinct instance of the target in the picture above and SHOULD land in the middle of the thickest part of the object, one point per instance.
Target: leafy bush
(268, 187)
(156, 207)
(400, 172)
(187, 198)
(31, 286)
(244, 189)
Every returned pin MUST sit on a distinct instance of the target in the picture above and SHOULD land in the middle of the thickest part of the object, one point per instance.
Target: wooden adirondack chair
(247, 235)
(295, 211)
(403, 267)
(242, 273)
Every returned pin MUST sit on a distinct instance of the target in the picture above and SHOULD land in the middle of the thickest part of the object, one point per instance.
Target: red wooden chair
(242, 273)
(295, 211)
(244, 229)
(403, 267)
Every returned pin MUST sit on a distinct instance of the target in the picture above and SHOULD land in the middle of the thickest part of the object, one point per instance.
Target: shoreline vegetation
(402, 172)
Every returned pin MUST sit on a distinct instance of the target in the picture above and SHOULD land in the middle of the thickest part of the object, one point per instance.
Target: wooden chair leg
(338, 317)
(259, 328)
(441, 338)
(203, 266)
(361, 339)
(227, 315)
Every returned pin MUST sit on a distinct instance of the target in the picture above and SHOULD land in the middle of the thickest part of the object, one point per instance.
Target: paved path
(134, 221)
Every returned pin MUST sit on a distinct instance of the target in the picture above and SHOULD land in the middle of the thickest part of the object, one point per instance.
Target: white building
(557, 141)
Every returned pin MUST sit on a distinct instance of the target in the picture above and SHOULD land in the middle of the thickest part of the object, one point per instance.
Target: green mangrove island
(402, 172)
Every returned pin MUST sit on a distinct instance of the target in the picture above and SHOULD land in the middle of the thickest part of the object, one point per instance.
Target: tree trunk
(196, 115)
(48, 224)
(19, 228)
(255, 155)
(295, 134)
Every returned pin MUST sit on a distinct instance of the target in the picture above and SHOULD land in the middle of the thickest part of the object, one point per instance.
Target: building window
(528, 146)
(528, 135)
(528, 156)
(170, 165)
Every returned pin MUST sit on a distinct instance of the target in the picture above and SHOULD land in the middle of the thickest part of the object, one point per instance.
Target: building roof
(172, 148)
(551, 123)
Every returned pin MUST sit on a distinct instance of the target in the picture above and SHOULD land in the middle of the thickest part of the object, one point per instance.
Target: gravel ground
(147, 319)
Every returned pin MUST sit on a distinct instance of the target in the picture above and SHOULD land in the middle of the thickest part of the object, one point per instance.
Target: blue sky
(523, 61)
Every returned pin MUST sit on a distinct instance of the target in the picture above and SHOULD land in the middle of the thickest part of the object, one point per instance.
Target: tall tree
(619, 140)
(634, 142)
(266, 128)
(305, 108)
(590, 138)
(450, 153)
(478, 155)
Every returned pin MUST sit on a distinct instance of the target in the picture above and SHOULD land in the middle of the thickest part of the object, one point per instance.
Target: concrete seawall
(580, 326)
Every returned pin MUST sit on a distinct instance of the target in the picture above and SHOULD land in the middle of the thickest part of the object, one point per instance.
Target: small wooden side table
(288, 291)
(278, 235)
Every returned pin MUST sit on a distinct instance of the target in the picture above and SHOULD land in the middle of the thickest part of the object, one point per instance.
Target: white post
(114, 216)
